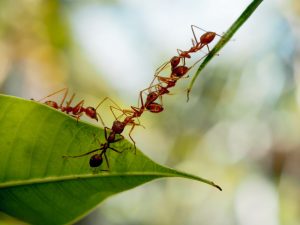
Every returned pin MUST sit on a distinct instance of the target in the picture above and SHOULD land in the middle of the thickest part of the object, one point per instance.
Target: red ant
(77, 110)
(204, 40)
(96, 160)
(117, 128)
(130, 114)
(176, 73)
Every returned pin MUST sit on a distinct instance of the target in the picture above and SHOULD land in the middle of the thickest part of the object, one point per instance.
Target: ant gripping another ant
(114, 134)
(129, 120)
(76, 111)
(204, 40)
(177, 73)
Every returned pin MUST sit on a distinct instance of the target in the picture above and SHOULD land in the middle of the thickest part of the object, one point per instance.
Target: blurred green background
(241, 127)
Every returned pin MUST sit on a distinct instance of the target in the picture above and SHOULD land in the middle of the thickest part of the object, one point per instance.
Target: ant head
(175, 61)
(91, 112)
(96, 160)
(208, 37)
(118, 126)
(52, 104)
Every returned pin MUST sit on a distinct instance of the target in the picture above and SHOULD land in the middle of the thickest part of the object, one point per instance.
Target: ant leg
(157, 91)
(87, 153)
(105, 132)
(179, 51)
(140, 124)
(100, 103)
(98, 114)
(77, 116)
(141, 96)
(208, 48)
(205, 30)
(147, 89)
(112, 101)
(194, 34)
(165, 79)
(124, 112)
(131, 111)
(193, 42)
(161, 67)
(64, 89)
(198, 61)
(132, 138)
(106, 159)
(158, 71)
(64, 98)
(115, 150)
(116, 106)
(77, 108)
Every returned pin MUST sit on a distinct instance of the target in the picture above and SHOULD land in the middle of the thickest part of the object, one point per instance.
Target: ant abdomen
(206, 38)
(179, 71)
(155, 107)
(96, 160)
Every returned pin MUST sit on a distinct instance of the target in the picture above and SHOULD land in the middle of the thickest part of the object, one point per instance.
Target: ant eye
(96, 160)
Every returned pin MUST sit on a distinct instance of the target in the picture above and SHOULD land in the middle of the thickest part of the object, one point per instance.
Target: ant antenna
(78, 156)
(192, 27)
(64, 89)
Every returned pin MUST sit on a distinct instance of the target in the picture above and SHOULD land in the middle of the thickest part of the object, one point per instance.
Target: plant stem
(225, 38)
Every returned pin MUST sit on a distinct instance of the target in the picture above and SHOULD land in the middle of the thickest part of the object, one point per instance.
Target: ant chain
(152, 93)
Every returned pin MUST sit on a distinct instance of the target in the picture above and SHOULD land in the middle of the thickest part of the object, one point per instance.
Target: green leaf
(225, 38)
(40, 187)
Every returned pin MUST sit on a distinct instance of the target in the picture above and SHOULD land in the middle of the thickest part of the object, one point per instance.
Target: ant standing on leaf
(114, 134)
(96, 160)
(76, 111)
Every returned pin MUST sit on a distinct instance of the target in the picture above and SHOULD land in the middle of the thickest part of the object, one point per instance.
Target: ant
(204, 40)
(77, 110)
(130, 115)
(96, 160)
(177, 72)
(118, 126)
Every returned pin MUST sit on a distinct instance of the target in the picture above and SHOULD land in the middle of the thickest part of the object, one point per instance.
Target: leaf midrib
(75, 177)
